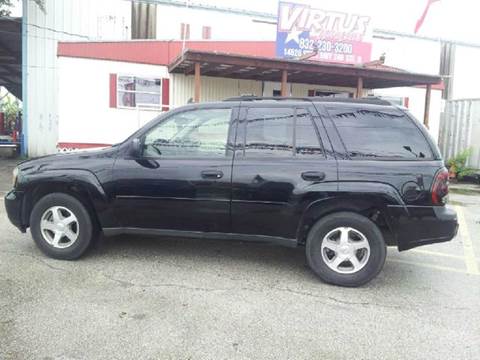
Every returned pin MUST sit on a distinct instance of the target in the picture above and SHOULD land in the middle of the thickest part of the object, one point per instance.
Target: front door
(182, 179)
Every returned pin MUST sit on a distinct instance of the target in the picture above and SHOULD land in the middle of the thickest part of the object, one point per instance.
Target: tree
(5, 6)
(40, 4)
(10, 106)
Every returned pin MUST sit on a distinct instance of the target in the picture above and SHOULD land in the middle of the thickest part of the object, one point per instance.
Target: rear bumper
(14, 206)
(422, 225)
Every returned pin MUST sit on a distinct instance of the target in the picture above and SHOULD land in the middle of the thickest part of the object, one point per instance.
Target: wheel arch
(82, 185)
(374, 208)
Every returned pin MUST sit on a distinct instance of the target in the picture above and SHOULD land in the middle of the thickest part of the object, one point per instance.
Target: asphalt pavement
(136, 297)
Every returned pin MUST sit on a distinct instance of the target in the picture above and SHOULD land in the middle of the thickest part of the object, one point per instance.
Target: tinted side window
(269, 132)
(306, 136)
(281, 132)
(372, 132)
(196, 133)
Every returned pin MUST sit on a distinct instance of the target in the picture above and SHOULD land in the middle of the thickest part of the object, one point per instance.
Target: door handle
(313, 175)
(212, 174)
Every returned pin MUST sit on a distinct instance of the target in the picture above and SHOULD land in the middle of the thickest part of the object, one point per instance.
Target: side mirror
(136, 147)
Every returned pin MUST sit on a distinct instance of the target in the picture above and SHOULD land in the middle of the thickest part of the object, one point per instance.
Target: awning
(308, 72)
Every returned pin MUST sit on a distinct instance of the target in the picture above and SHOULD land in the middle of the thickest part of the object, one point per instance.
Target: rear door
(280, 166)
(382, 151)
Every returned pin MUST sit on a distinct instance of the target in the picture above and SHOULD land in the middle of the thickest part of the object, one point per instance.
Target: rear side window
(379, 133)
(281, 132)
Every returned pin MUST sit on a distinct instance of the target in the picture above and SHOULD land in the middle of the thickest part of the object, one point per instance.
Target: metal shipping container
(460, 129)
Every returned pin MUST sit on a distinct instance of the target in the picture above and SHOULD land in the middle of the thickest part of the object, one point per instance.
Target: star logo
(293, 36)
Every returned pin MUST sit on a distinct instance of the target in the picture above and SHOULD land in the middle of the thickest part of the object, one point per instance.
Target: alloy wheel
(59, 227)
(345, 250)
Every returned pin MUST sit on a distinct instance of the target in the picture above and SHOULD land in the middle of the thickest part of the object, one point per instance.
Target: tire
(346, 263)
(47, 229)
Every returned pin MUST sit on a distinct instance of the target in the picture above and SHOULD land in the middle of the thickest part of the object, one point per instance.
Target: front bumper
(14, 207)
(421, 225)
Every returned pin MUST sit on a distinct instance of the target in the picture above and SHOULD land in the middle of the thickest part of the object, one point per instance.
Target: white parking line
(441, 254)
(436, 253)
(429, 266)
(469, 253)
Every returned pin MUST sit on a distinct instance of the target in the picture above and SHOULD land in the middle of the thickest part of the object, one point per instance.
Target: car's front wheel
(61, 226)
(345, 249)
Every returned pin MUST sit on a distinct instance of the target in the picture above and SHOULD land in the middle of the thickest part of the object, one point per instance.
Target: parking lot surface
(150, 298)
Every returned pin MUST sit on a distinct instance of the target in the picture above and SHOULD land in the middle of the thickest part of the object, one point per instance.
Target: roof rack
(374, 100)
(261, 98)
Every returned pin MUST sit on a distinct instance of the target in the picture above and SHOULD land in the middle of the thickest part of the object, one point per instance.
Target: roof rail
(374, 100)
(261, 98)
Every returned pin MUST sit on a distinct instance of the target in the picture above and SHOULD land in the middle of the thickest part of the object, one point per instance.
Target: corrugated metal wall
(212, 89)
(62, 20)
(460, 129)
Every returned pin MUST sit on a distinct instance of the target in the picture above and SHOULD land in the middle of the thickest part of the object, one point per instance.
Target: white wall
(423, 56)
(415, 55)
(84, 93)
(223, 26)
(75, 20)
(466, 83)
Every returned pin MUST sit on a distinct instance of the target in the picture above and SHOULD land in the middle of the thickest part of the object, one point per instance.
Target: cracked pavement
(150, 298)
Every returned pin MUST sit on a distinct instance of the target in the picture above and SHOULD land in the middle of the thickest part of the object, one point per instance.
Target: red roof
(159, 52)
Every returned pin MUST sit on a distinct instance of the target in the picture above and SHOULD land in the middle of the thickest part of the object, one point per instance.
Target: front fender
(79, 182)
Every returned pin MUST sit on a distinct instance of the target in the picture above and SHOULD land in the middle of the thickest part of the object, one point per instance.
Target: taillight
(440, 187)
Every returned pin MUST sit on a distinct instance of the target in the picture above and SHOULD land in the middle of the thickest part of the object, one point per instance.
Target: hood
(86, 159)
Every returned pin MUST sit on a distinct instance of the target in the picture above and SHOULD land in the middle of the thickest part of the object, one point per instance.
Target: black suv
(342, 178)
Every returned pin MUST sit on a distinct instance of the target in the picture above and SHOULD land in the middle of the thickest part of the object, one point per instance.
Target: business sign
(335, 36)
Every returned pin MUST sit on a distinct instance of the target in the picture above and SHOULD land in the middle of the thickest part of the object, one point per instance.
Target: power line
(48, 28)
(31, 35)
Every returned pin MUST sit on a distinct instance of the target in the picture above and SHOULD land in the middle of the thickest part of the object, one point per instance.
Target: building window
(206, 32)
(133, 91)
(184, 31)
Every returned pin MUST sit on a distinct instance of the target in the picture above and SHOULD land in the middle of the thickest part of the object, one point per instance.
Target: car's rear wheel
(345, 249)
(61, 226)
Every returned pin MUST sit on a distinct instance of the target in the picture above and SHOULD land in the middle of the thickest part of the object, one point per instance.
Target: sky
(448, 19)
(16, 8)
